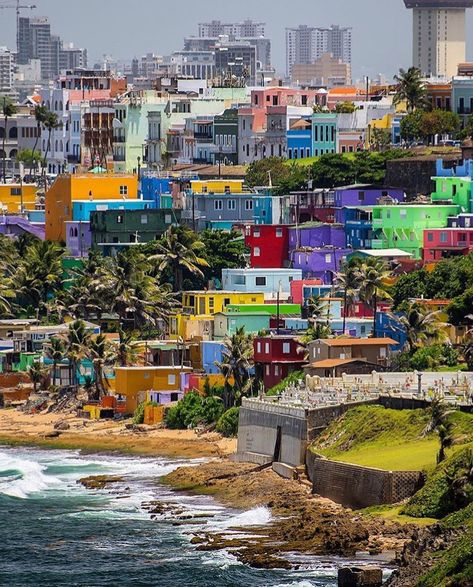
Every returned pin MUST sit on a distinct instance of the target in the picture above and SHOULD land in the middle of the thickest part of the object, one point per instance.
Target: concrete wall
(359, 487)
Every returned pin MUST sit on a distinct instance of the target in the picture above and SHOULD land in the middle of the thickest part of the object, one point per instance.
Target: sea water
(54, 532)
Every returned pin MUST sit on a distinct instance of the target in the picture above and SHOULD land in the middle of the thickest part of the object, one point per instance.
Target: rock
(62, 425)
(53, 434)
(360, 577)
(99, 481)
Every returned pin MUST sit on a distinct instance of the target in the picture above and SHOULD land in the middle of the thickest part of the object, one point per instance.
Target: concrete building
(439, 35)
(327, 71)
(305, 44)
(6, 71)
(462, 96)
(271, 282)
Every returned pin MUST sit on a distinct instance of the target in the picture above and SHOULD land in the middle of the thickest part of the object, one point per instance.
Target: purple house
(78, 238)
(365, 195)
(319, 263)
(18, 225)
(315, 235)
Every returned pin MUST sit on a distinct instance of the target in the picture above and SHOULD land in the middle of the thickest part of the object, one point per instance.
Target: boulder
(62, 425)
(360, 577)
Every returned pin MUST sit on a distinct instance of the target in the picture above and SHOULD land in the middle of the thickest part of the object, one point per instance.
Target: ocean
(55, 533)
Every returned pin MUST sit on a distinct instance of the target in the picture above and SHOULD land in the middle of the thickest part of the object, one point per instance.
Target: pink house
(447, 242)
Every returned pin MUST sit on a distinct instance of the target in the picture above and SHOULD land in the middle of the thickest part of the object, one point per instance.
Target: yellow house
(133, 383)
(218, 186)
(14, 197)
(69, 188)
(199, 308)
(384, 123)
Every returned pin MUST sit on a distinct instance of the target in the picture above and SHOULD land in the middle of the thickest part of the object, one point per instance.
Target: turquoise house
(324, 133)
(226, 323)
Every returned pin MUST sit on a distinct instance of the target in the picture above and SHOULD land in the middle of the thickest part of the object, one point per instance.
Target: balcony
(378, 243)
(119, 158)
(119, 139)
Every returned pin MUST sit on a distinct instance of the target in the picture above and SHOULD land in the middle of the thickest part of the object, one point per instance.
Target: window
(119, 219)
(144, 219)
(211, 305)
(260, 281)
(171, 380)
(15, 191)
(328, 258)
(286, 348)
(430, 237)
(123, 190)
(256, 252)
(266, 348)
(218, 205)
(248, 204)
(258, 347)
(256, 232)
(231, 204)
(403, 214)
(276, 370)
(168, 219)
(279, 232)
(361, 196)
(443, 237)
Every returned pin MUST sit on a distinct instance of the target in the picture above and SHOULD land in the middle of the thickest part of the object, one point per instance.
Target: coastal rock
(99, 481)
(53, 434)
(62, 425)
(360, 577)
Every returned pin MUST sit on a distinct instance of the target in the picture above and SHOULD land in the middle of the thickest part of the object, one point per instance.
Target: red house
(447, 242)
(276, 357)
(269, 246)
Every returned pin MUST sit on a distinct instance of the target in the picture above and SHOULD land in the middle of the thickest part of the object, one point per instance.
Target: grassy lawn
(393, 514)
(415, 455)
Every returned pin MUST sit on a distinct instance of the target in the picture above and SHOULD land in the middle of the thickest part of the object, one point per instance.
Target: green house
(115, 227)
(402, 227)
(226, 323)
(271, 309)
(456, 190)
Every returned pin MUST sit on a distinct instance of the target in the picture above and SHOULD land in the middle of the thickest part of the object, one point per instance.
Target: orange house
(70, 188)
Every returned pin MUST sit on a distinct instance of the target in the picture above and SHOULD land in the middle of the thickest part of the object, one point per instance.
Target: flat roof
(341, 342)
(384, 253)
(329, 363)
(438, 3)
(223, 292)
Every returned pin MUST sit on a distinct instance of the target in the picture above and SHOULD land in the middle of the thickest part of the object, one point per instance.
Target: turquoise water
(53, 532)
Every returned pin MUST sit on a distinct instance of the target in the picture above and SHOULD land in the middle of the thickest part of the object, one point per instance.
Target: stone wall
(359, 487)
(414, 175)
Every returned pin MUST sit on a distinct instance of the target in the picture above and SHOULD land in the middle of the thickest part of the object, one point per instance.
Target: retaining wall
(359, 487)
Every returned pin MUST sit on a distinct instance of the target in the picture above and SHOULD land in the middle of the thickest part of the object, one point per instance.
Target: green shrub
(194, 410)
(227, 424)
(139, 415)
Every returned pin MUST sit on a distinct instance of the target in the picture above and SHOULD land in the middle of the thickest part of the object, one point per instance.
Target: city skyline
(78, 27)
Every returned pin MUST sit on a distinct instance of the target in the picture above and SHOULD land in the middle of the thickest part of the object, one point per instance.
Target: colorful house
(324, 134)
(299, 139)
(365, 195)
(402, 227)
(276, 357)
(271, 282)
(17, 198)
(134, 383)
(316, 235)
(269, 245)
(68, 189)
(319, 263)
(227, 323)
(444, 243)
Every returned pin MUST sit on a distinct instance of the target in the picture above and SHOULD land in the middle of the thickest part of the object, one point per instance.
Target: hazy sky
(127, 28)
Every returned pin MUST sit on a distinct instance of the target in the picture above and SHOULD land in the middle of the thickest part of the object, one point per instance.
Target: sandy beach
(17, 428)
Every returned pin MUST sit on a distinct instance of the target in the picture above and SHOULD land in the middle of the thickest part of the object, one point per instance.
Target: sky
(125, 29)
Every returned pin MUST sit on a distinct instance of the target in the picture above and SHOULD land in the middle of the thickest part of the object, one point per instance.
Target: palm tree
(410, 89)
(37, 373)
(77, 342)
(236, 364)
(421, 326)
(178, 250)
(41, 114)
(85, 295)
(55, 351)
(29, 158)
(346, 281)
(41, 272)
(101, 353)
(8, 110)
(126, 353)
(446, 438)
(316, 308)
(51, 123)
(372, 276)
(7, 294)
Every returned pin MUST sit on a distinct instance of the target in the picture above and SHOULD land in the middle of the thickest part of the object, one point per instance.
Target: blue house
(82, 209)
(212, 352)
(387, 326)
(358, 227)
(299, 139)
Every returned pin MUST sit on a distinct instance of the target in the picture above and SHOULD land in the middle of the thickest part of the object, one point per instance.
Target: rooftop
(330, 363)
(341, 342)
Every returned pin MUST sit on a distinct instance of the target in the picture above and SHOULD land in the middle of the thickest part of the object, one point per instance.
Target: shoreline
(19, 429)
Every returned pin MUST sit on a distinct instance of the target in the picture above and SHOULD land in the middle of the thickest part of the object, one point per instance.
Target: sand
(17, 428)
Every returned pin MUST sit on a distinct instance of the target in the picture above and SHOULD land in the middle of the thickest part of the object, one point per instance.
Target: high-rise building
(240, 30)
(6, 71)
(251, 32)
(35, 41)
(439, 35)
(306, 44)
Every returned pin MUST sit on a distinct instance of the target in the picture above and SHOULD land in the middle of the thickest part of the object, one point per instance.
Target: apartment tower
(439, 35)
